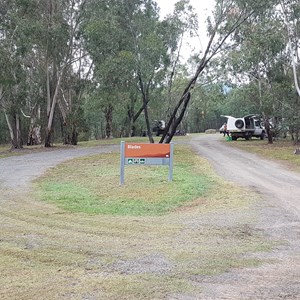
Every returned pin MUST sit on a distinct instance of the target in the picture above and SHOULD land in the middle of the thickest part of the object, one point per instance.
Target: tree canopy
(83, 69)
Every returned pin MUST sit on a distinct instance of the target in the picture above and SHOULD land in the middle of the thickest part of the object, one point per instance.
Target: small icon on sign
(142, 161)
(130, 161)
(136, 161)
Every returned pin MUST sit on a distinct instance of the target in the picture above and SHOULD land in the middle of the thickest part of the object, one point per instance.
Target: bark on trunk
(151, 140)
(14, 127)
(74, 138)
(179, 119)
(34, 134)
(145, 93)
(11, 131)
(48, 137)
(269, 131)
(108, 118)
(34, 137)
(52, 110)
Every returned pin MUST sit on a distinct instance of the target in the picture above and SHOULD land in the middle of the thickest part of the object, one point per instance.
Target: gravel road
(266, 177)
(19, 171)
(278, 215)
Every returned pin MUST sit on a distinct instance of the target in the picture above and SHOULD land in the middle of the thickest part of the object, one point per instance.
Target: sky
(203, 9)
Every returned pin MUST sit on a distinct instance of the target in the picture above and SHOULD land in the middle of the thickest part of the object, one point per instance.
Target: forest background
(75, 70)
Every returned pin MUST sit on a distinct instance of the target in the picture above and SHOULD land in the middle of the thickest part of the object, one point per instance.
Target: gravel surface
(278, 216)
(19, 171)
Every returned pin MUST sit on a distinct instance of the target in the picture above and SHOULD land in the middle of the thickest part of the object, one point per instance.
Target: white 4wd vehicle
(245, 127)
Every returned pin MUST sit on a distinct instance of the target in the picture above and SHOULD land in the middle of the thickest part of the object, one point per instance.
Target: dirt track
(265, 177)
(18, 171)
(278, 216)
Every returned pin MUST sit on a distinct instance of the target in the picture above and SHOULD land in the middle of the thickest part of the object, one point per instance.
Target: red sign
(147, 150)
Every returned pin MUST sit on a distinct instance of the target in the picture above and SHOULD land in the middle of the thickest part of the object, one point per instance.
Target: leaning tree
(226, 18)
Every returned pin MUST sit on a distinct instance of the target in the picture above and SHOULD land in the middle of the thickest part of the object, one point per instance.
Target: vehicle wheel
(263, 135)
(234, 138)
(239, 123)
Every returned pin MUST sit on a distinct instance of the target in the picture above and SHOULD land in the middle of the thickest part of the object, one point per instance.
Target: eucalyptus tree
(61, 50)
(62, 63)
(132, 30)
(20, 82)
(42, 42)
(13, 49)
(157, 55)
(108, 42)
(256, 61)
(290, 13)
(227, 17)
(150, 51)
(179, 25)
(126, 45)
(260, 64)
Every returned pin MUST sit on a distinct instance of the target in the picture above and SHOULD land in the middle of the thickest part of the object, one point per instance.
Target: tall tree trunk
(19, 142)
(108, 118)
(74, 137)
(178, 120)
(293, 52)
(11, 131)
(51, 113)
(145, 107)
(34, 133)
(134, 119)
(265, 117)
(268, 129)
(14, 127)
(151, 140)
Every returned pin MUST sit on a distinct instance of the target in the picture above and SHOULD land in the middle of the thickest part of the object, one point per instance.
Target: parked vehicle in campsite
(159, 127)
(245, 127)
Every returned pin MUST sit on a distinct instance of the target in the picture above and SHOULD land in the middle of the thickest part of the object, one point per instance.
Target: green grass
(91, 185)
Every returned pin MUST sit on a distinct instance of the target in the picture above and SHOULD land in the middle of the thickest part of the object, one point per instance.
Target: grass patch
(91, 185)
(281, 151)
(144, 287)
(149, 239)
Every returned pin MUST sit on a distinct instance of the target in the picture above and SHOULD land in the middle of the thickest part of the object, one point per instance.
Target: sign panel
(146, 161)
(146, 154)
(147, 150)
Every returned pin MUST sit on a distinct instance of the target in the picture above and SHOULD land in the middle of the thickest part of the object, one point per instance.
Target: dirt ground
(277, 216)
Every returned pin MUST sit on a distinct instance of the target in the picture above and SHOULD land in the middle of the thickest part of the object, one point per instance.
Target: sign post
(171, 161)
(122, 163)
(145, 154)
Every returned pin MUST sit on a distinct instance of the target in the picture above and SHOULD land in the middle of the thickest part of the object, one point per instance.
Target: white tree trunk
(11, 131)
(293, 52)
(296, 81)
(54, 101)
